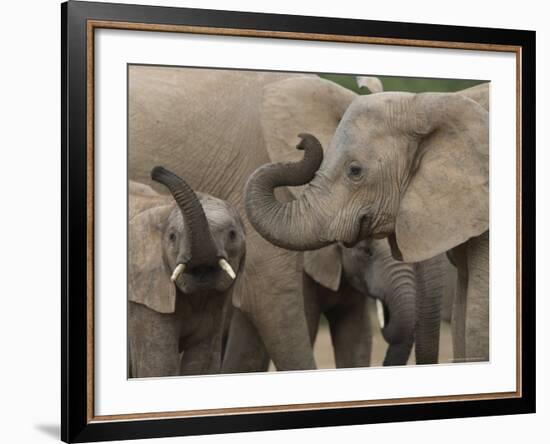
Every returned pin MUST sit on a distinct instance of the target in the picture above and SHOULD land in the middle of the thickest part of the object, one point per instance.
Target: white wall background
(30, 221)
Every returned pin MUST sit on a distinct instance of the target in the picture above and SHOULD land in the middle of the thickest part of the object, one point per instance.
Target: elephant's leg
(458, 319)
(311, 306)
(477, 303)
(350, 330)
(152, 342)
(245, 351)
(273, 301)
(430, 280)
(284, 331)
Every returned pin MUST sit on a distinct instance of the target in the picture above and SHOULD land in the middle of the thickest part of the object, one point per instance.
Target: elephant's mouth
(363, 231)
(214, 281)
(202, 277)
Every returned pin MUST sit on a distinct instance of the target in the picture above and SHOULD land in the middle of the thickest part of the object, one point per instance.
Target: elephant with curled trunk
(410, 167)
(185, 252)
(413, 167)
(318, 105)
(338, 282)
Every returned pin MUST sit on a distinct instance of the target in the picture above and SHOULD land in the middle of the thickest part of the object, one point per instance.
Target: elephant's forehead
(368, 112)
(344, 145)
(218, 213)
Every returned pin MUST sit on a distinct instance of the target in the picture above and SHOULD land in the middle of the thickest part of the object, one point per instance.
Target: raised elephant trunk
(287, 225)
(202, 248)
(400, 303)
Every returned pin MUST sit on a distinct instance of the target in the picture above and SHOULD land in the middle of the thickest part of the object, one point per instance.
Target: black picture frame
(76, 423)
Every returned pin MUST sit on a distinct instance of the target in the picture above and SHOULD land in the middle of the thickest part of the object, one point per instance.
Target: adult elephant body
(410, 167)
(207, 125)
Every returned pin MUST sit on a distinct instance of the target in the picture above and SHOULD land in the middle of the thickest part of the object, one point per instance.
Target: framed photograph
(275, 221)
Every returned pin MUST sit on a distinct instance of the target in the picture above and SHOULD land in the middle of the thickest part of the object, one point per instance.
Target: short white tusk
(177, 271)
(380, 313)
(224, 265)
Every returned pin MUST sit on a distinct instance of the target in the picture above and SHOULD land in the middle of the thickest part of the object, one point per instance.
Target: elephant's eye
(232, 235)
(355, 171)
(172, 237)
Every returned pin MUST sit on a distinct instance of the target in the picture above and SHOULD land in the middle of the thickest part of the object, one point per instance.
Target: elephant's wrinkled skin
(211, 126)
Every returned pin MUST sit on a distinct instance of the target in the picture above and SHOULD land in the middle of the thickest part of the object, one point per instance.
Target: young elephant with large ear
(339, 281)
(185, 252)
(408, 299)
(414, 167)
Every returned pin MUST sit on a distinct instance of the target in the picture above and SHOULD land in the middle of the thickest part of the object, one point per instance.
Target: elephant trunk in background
(400, 303)
(286, 224)
(428, 309)
(202, 248)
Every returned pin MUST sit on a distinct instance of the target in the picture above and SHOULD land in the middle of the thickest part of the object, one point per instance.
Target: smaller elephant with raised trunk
(185, 252)
(340, 280)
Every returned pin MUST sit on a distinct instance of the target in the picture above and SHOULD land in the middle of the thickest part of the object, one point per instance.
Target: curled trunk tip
(311, 144)
(286, 225)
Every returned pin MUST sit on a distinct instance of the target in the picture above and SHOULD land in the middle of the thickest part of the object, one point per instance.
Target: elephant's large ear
(148, 280)
(324, 266)
(447, 199)
(143, 197)
(301, 105)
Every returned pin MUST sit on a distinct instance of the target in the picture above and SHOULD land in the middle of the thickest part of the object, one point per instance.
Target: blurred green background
(412, 84)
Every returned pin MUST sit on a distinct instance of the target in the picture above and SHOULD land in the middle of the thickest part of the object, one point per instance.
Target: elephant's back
(201, 123)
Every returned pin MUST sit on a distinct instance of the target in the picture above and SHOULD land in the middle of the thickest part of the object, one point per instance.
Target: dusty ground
(325, 358)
